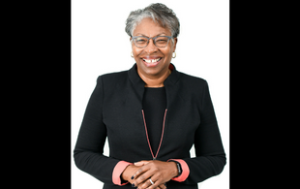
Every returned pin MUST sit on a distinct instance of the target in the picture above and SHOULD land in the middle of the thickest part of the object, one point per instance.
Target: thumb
(141, 163)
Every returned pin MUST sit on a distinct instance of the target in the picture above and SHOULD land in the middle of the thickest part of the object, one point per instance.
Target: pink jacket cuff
(185, 170)
(118, 170)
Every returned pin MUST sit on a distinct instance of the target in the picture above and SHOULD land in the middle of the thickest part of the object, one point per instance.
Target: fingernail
(132, 177)
(133, 185)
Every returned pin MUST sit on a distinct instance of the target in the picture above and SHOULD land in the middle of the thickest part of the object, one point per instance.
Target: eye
(141, 40)
(161, 40)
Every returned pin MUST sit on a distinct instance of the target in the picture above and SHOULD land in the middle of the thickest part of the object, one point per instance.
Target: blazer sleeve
(210, 155)
(88, 151)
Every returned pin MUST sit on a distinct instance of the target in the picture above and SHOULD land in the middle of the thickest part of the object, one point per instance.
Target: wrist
(174, 168)
(125, 176)
(178, 168)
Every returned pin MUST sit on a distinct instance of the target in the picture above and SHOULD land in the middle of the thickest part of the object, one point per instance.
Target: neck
(155, 81)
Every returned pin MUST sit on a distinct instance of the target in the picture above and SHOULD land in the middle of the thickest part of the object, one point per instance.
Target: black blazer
(115, 111)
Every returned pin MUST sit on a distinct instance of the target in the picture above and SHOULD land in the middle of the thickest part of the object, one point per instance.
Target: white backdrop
(99, 45)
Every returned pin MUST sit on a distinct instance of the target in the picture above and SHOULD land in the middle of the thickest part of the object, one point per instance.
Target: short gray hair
(159, 13)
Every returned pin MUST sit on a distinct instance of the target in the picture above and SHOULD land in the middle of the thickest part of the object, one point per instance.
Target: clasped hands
(140, 173)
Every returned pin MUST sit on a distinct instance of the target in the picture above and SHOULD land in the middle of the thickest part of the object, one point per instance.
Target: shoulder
(112, 78)
(193, 87)
(192, 82)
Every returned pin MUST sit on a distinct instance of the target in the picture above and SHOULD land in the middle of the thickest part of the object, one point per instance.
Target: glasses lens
(140, 41)
(161, 41)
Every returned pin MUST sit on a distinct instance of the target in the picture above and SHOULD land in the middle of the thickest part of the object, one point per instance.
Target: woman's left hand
(158, 171)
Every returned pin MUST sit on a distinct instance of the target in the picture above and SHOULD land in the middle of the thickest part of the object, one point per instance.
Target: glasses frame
(153, 38)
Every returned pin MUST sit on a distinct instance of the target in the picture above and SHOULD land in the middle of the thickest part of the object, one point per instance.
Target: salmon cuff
(118, 170)
(185, 170)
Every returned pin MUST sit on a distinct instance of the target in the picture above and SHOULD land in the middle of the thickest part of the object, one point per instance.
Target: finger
(149, 185)
(157, 187)
(157, 182)
(162, 186)
(142, 175)
(140, 185)
(141, 171)
(143, 181)
(145, 185)
(141, 163)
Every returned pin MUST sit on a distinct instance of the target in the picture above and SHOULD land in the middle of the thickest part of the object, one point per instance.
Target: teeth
(151, 61)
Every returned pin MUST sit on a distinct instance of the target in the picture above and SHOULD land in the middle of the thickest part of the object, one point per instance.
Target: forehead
(150, 28)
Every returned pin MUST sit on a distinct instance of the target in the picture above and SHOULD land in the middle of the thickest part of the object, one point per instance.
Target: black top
(114, 111)
(154, 105)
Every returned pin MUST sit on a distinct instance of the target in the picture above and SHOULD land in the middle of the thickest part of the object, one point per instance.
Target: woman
(152, 115)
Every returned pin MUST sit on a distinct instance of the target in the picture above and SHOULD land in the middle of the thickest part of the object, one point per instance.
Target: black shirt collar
(170, 84)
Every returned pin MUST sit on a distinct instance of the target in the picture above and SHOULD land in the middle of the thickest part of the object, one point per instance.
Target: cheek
(168, 54)
(136, 54)
(169, 51)
(136, 51)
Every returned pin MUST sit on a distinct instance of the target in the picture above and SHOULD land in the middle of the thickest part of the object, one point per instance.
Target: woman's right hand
(130, 171)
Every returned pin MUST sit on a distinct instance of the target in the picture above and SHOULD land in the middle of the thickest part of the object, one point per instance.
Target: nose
(150, 48)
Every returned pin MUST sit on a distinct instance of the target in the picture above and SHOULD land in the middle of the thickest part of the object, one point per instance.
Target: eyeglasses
(159, 41)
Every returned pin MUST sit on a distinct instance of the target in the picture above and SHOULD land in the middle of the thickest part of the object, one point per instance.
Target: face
(148, 28)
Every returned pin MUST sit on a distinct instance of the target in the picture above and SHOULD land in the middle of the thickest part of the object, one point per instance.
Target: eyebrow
(139, 34)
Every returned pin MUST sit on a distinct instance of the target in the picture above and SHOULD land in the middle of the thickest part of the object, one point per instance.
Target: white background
(100, 45)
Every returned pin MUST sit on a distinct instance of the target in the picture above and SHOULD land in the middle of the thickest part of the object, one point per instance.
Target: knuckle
(140, 179)
(159, 175)
(140, 170)
(144, 185)
(155, 168)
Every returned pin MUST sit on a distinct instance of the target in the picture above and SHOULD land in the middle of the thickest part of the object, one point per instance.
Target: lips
(151, 61)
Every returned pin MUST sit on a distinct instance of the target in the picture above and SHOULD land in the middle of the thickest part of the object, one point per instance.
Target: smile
(151, 60)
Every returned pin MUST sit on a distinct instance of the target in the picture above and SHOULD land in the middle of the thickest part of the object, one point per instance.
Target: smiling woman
(154, 57)
(152, 115)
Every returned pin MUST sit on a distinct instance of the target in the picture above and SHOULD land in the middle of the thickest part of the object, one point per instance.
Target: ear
(175, 43)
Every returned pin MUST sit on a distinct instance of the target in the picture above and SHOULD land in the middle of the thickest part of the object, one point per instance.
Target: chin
(154, 71)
